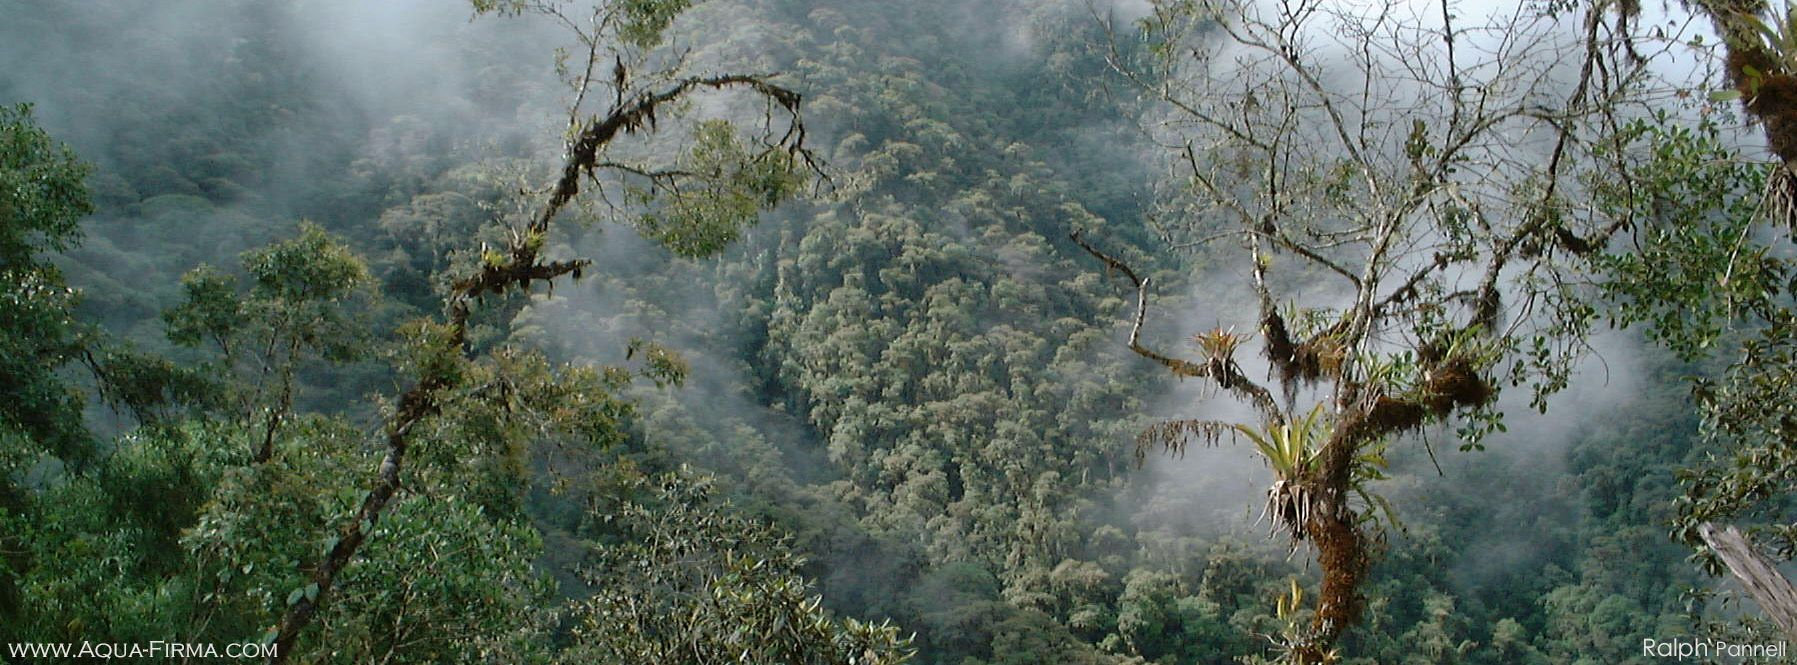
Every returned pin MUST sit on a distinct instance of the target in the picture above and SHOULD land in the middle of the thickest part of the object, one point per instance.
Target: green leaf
(1725, 95)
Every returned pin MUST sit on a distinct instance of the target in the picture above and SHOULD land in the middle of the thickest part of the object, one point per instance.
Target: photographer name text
(1707, 648)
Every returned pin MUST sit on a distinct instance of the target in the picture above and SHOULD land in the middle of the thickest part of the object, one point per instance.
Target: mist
(909, 373)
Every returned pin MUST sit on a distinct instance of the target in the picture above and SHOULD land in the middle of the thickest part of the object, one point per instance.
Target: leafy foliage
(639, 23)
(444, 582)
(1698, 269)
(681, 579)
(42, 198)
(42, 190)
(726, 189)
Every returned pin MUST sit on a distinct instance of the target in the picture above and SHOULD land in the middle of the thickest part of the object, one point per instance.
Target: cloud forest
(974, 332)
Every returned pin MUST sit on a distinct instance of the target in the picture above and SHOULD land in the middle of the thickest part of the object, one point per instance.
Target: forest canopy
(869, 332)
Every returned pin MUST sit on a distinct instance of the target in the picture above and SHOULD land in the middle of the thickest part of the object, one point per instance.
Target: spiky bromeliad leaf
(1290, 450)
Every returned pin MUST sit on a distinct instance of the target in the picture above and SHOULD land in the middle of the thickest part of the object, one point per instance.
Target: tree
(301, 303)
(699, 202)
(1401, 184)
(1709, 284)
(42, 198)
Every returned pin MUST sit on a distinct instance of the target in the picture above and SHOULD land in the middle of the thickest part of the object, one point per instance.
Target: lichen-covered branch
(1225, 373)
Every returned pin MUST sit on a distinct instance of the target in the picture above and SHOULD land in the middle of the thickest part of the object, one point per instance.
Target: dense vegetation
(898, 404)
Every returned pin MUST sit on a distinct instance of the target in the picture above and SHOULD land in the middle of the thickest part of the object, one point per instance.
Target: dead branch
(1756, 573)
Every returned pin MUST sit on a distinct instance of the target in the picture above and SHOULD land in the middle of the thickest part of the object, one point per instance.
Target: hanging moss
(1456, 382)
(1774, 100)
(1395, 415)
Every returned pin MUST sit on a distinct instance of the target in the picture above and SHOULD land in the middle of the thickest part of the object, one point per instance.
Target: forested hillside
(310, 342)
